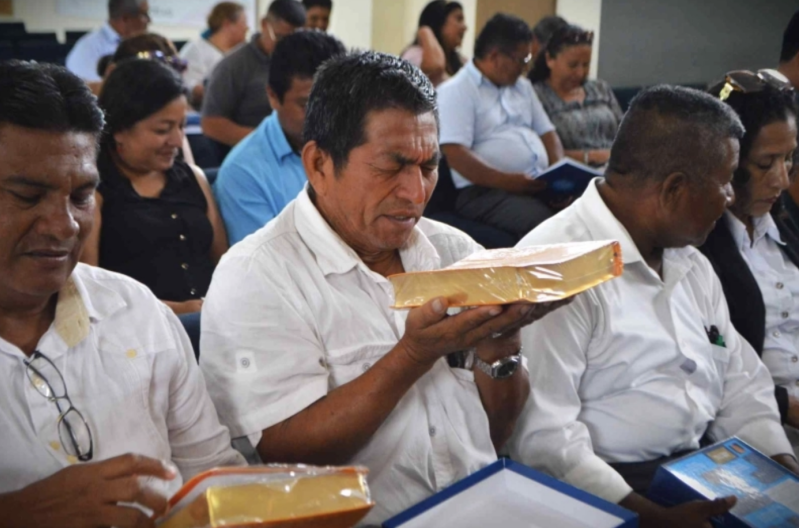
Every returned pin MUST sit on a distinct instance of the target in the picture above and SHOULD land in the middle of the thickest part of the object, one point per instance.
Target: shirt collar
(603, 225)
(254, 44)
(80, 304)
(334, 256)
(277, 138)
(763, 226)
(110, 34)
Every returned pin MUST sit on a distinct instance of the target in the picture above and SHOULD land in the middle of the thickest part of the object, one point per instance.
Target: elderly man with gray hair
(126, 18)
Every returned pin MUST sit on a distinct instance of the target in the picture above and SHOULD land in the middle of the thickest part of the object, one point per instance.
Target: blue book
(566, 178)
(768, 494)
(509, 495)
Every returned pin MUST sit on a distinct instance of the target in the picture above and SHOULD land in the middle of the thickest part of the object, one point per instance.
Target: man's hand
(523, 184)
(430, 333)
(87, 496)
(695, 514)
(788, 462)
(793, 412)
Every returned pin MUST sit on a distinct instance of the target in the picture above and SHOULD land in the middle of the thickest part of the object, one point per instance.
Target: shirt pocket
(136, 404)
(346, 364)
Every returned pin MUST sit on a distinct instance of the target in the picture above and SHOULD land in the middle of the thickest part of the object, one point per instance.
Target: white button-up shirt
(778, 279)
(502, 125)
(627, 372)
(293, 312)
(89, 49)
(129, 370)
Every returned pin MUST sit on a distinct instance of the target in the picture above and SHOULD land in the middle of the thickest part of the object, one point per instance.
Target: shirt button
(785, 315)
(193, 291)
(174, 216)
(366, 366)
(184, 266)
(432, 431)
(72, 459)
(776, 333)
(780, 285)
(55, 446)
(131, 353)
(245, 362)
(183, 237)
(794, 359)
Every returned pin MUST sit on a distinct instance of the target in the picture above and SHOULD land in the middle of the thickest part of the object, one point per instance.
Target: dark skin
(47, 183)
(678, 211)
(373, 203)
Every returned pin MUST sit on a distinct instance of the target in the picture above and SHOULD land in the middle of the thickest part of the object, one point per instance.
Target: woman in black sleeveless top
(156, 219)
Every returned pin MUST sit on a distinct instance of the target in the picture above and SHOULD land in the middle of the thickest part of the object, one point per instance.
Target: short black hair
(504, 32)
(135, 90)
(300, 55)
(290, 11)
(790, 39)
(348, 87)
(547, 26)
(670, 129)
(324, 4)
(47, 97)
(120, 8)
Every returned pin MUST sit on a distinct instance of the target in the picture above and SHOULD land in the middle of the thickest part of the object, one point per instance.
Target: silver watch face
(505, 367)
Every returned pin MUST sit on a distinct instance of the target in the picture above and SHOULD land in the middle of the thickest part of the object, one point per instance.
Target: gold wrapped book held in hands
(502, 276)
(271, 496)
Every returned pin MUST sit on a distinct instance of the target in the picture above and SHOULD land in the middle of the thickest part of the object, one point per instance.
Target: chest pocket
(129, 408)
(347, 364)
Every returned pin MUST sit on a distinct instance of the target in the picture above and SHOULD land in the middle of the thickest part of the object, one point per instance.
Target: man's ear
(673, 190)
(319, 167)
(274, 100)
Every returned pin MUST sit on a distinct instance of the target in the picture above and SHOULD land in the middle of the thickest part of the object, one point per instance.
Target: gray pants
(517, 214)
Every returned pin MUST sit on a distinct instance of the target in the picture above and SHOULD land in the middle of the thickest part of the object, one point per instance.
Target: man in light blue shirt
(126, 18)
(264, 172)
(495, 133)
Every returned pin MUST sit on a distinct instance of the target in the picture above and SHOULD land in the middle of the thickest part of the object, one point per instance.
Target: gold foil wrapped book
(501, 276)
(271, 496)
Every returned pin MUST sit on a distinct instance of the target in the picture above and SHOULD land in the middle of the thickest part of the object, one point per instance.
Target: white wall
(588, 15)
(351, 21)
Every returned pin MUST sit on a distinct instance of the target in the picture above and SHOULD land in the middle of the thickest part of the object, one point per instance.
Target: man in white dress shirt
(93, 367)
(300, 347)
(126, 18)
(645, 366)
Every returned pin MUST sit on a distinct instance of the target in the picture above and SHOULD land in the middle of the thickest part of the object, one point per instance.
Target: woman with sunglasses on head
(435, 50)
(753, 250)
(585, 112)
(156, 219)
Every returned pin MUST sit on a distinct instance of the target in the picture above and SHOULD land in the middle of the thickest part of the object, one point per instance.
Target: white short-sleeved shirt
(201, 57)
(89, 49)
(627, 372)
(502, 125)
(778, 280)
(129, 369)
(292, 313)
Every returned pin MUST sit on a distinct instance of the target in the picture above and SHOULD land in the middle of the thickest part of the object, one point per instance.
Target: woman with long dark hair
(435, 50)
(156, 219)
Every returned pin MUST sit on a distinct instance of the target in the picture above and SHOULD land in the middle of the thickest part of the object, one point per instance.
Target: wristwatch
(501, 368)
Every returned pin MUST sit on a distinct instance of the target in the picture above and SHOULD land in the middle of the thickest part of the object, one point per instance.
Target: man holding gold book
(102, 405)
(648, 367)
(300, 347)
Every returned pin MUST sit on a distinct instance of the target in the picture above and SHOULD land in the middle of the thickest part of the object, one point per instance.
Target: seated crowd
(108, 231)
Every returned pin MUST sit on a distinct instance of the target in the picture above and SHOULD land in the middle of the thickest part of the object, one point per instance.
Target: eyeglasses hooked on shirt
(73, 430)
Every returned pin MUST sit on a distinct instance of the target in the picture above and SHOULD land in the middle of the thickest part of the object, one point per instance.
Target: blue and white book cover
(566, 178)
(768, 494)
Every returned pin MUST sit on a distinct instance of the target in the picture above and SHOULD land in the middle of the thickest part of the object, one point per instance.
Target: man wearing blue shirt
(126, 18)
(495, 133)
(264, 172)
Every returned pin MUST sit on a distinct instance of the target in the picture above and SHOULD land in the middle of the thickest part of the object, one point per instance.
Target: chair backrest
(211, 174)
(9, 30)
(42, 51)
(74, 36)
(443, 199)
